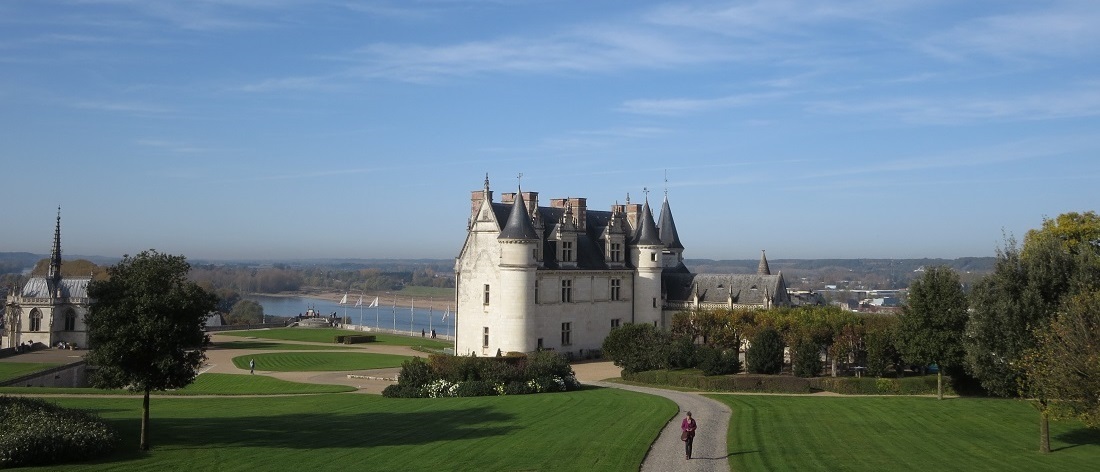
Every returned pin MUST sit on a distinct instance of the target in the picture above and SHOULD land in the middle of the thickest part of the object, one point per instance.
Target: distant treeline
(867, 274)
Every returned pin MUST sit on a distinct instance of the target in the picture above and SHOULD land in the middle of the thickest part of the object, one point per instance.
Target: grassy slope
(325, 335)
(898, 433)
(11, 370)
(205, 384)
(319, 361)
(584, 430)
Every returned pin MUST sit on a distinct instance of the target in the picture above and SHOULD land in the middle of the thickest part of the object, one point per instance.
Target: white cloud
(1060, 29)
(682, 106)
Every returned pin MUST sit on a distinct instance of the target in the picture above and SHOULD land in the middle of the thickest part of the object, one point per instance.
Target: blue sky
(284, 129)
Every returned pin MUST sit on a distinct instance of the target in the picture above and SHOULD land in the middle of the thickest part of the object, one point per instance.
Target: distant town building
(562, 276)
(48, 310)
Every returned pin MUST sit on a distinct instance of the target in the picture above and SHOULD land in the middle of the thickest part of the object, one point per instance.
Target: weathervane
(519, 179)
(666, 184)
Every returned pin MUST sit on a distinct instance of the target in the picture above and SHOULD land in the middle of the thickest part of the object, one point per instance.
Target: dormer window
(567, 251)
(615, 253)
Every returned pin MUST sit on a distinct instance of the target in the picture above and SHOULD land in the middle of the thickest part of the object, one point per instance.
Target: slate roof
(647, 234)
(666, 227)
(589, 251)
(747, 289)
(519, 222)
(41, 287)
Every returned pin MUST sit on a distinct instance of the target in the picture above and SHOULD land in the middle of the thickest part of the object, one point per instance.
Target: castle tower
(515, 296)
(54, 275)
(646, 256)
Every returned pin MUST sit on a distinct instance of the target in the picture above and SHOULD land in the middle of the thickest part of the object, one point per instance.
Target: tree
(1063, 369)
(246, 312)
(765, 353)
(145, 327)
(933, 321)
(637, 347)
(1024, 291)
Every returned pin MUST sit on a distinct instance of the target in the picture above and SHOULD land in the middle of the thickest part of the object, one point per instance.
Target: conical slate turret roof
(667, 228)
(647, 234)
(763, 268)
(519, 222)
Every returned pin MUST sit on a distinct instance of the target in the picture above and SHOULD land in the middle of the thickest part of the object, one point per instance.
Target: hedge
(461, 376)
(36, 432)
(692, 378)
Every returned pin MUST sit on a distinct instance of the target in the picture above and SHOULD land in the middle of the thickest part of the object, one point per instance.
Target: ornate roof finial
(645, 190)
(666, 184)
(519, 180)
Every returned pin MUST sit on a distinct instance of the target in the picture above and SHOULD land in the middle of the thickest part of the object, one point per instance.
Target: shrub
(475, 388)
(547, 364)
(401, 391)
(765, 354)
(36, 432)
(713, 361)
(415, 373)
(637, 347)
(517, 388)
(682, 353)
(806, 358)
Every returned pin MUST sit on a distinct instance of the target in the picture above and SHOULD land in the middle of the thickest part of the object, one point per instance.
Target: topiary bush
(765, 353)
(806, 358)
(36, 432)
(714, 361)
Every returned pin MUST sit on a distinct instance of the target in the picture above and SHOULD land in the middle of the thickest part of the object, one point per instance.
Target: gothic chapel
(50, 309)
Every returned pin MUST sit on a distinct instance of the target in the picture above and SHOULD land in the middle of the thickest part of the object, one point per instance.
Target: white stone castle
(562, 276)
(48, 310)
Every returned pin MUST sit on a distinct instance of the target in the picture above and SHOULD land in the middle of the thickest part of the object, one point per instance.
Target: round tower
(646, 257)
(515, 296)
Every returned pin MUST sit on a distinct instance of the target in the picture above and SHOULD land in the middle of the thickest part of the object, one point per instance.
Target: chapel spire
(55, 254)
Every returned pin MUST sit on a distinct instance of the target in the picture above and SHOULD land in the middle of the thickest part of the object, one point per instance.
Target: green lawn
(205, 384)
(12, 370)
(319, 361)
(270, 345)
(582, 431)
(326, 335)
(899, 433)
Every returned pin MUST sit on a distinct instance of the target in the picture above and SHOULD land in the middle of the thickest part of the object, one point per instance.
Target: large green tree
(1027, 286)
(638, 347)
(1063, 369)
(246, 312)
(933, 322)
(145, 327)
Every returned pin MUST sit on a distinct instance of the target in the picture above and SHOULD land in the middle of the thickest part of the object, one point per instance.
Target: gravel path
(709, 448)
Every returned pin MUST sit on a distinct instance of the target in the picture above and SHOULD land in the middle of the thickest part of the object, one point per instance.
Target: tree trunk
(939, 384)
(145, 423)
(1044, 432)
(834, 365)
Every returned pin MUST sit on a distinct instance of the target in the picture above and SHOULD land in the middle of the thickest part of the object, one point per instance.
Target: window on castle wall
(566, 291)
(654, 302)
(653, 256)
(566, 334)
(536, 292)
(616, 288)
(485, 336)
(616, 252)
(70, 321)
(567, 251)
(615, 323)
(36, 320)
(485, 298)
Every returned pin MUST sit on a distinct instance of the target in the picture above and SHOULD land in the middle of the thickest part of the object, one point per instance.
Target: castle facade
(562, 276)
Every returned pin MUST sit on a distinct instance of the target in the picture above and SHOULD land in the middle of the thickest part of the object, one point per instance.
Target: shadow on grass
(1079, 437)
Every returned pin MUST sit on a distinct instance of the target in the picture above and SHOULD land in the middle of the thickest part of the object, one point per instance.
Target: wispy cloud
(1084, 100)
(137, 108)
(682, 106)
(1061, 28)
(171, 146)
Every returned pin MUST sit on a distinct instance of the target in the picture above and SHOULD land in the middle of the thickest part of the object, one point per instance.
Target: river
(387, 317)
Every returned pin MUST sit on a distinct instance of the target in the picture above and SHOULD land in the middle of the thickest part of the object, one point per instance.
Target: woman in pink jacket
(688, 433)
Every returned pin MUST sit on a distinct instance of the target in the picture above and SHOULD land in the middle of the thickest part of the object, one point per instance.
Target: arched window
(36, 320)
(70, 320)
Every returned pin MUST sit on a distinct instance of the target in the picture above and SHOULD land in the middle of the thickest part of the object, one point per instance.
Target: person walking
(252, 366)
(688, 433)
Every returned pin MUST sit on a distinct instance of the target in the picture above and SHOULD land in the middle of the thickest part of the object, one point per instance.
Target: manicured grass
(205, 384)
(326, 335)
(255, 344)
(899, 433)
(11, 370)
(592, 429)
(319, 361)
